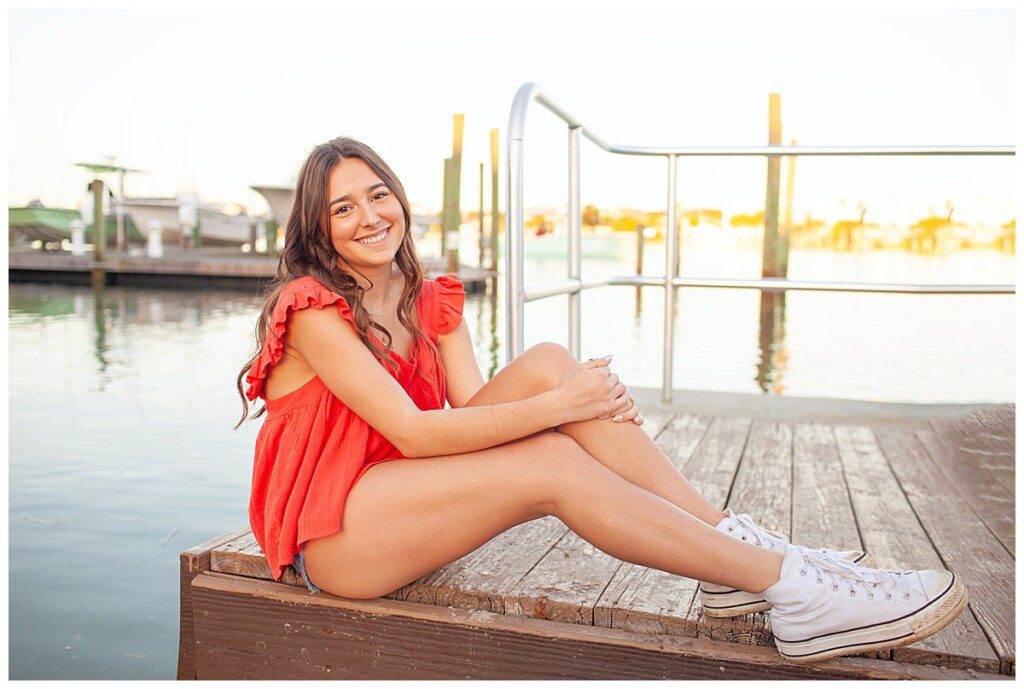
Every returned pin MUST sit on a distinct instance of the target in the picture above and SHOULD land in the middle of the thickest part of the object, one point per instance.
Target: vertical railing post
(575, 223)
(670, 290)
(516, 298)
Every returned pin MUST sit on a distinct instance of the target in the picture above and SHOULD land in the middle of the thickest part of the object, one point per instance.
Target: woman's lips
(378, 238)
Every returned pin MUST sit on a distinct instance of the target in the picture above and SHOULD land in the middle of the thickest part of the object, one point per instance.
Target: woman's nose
(370, 217)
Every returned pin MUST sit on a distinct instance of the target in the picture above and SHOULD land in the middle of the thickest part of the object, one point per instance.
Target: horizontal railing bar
(567, 286)
(532, 91)
(552, 289)
(778, 151)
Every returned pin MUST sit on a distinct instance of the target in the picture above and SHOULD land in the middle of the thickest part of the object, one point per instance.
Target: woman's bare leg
(622, 447)
(406, 518)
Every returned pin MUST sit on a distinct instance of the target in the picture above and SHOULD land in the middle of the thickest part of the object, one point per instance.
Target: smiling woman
(547, 435)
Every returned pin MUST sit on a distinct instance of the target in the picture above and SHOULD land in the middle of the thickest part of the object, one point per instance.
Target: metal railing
(518, 294)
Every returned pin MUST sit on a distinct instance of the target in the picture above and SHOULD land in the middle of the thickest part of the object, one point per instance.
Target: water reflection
(99, 320)
(493, 348)
(771, 343)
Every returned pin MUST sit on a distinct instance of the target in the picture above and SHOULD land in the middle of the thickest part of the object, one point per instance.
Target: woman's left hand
(625, 406)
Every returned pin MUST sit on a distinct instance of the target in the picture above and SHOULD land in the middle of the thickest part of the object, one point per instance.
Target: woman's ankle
(772, 571)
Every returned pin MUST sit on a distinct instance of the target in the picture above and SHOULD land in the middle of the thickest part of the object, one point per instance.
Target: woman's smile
(376, 240)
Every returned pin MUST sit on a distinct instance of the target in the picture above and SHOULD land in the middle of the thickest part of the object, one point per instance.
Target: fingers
(620, 399)
(597, 362)
(626, 409)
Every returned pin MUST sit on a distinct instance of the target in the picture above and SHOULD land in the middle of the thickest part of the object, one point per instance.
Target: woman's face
(362, 207)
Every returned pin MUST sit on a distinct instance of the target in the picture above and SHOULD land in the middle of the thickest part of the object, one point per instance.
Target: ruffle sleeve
(305, 292)
(450, 300)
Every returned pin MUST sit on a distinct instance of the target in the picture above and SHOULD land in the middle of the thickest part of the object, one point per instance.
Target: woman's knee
(550, 360)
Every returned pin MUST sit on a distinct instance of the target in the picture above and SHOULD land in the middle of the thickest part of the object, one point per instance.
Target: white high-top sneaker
(825, 607)
(724, 601)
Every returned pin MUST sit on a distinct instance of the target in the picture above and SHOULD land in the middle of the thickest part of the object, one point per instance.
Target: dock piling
(771, 260)
(451, 216)
(481, 218)
(99, 234)
(495, 208)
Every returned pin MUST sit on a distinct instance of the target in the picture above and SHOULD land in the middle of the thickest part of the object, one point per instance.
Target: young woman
(356, 356)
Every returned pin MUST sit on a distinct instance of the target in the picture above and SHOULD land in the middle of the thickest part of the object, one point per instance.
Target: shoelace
(840, 570)
(762, 536)
(774, 540)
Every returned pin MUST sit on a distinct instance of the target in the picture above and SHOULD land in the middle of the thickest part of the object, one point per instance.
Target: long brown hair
(308, 251)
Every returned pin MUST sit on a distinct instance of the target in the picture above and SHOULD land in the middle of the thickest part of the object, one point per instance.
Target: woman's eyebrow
(368, 190)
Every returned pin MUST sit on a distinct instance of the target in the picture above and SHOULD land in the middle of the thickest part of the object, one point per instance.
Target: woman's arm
(330, 345)
(461, 371)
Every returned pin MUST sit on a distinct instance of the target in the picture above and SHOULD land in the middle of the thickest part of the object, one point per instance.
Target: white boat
(178, 215)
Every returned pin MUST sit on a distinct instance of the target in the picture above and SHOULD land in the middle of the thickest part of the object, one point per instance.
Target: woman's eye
(378, 195)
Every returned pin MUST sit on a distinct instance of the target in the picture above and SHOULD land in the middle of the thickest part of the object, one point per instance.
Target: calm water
(121, 406)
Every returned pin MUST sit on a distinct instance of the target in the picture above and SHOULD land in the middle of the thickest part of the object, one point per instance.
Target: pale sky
(216, 101)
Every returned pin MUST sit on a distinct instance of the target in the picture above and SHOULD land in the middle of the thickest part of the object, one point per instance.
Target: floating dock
(917, 486)
(205, 267)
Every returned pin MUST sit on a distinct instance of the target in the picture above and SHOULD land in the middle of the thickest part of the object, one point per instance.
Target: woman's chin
(379, 261)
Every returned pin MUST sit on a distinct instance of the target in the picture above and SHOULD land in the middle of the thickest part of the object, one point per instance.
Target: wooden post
(444, 205)
(99, 230)
(770, 258)
(447, 211)
(640, 249)
(481, 218)
(270, 230)
(495, 209)
(787, 224)
(453, 178)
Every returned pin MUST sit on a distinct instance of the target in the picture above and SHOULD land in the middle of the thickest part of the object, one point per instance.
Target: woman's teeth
(375, 239)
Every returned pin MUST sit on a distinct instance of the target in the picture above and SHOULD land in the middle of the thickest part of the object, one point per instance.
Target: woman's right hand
(588, 390)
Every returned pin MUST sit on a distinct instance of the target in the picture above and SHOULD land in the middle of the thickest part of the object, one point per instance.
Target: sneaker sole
(881, 637)
(735, 603)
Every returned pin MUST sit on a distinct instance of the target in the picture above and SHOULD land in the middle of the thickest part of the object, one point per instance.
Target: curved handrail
(517, 294)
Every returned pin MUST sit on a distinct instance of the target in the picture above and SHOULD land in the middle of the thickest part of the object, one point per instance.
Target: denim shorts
(300, 566)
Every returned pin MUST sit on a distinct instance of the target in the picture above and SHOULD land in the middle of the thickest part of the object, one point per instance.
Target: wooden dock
(204, 268)
(918, 486)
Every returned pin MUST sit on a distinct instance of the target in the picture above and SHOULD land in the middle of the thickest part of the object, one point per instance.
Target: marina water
(122, 403)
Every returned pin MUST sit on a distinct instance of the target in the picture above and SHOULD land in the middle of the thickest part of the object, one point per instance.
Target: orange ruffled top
(311, 448)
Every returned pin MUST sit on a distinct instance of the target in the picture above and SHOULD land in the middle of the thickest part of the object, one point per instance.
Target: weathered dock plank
(895, 539)
(963, 542)
(976, 454)
(822, 512)
(249, 629)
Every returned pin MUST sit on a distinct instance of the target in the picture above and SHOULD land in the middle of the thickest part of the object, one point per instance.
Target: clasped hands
(591, 391)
